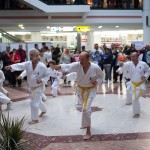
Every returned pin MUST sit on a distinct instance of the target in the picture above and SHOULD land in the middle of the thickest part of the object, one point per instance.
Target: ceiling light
(117, 26)
(48, 27)
(20, 25)
(100, 27)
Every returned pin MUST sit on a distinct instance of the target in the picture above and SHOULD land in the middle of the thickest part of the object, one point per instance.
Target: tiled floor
(113, 127)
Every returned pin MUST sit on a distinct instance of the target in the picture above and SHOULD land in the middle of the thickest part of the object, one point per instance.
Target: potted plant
(11, 132)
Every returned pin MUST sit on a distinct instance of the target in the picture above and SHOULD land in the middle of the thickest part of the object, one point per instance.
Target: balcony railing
(94, 4)
(13, 5)
(99, 4)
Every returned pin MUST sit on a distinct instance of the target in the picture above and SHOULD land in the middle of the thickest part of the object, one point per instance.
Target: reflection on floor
(111, 120)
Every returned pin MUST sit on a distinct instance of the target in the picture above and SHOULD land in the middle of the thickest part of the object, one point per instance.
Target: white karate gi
(39, 73)
(125, 73)
(55, 85)
(135, 74)
(23, 74)
(94, 73)
(3, 98)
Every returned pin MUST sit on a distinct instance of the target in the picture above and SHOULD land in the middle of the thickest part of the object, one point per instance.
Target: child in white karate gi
(56, 75)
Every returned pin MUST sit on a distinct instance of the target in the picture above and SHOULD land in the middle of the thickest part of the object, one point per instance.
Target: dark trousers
(14, 76)
(115, 74)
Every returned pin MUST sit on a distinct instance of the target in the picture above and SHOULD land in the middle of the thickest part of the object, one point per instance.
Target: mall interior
(110, 32)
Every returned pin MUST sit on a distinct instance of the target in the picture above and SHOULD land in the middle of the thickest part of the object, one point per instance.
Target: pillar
(90, 40)
(146, 21)
(79, 41)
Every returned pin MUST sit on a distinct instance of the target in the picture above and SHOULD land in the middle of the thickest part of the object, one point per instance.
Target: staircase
(8, 37)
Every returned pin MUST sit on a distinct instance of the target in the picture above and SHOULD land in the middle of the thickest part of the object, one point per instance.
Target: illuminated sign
(82, 28)
(59, 29)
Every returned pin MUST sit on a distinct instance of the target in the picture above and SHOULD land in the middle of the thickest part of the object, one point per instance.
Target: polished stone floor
(113, 127)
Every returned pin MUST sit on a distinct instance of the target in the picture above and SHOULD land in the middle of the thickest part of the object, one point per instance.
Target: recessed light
(117, 26)
(48, 27)
(100, 26)
(20, 25)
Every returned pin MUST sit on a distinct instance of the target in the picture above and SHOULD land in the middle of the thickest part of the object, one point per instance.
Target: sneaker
(9, 105)
(105, 81)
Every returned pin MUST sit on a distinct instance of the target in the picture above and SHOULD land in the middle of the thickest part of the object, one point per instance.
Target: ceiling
(43, 27)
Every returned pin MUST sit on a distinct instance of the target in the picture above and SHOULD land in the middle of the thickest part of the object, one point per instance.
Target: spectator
(98, 58)
(15, 58)
(6, 62)
(42, 57)
(22, 53)
(107, 61)
(56, 54)
(36, 46)
(48, 54)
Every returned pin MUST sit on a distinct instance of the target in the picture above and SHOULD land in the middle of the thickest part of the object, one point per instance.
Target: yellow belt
(85, 99)
(135, 85)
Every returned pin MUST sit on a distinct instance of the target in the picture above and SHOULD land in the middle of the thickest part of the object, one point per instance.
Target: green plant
(11, 133)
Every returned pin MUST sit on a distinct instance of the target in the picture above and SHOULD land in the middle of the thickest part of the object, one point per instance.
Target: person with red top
(22, 53)
(15, 58)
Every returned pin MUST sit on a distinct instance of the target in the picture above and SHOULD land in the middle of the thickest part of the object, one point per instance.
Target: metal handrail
(10, 37)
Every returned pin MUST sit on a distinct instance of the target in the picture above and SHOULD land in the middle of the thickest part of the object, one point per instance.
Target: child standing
(56, 75)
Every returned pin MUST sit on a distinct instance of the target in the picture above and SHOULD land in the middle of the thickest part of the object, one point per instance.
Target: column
(78, 41)
(90, 40)
(146, 25)
(35, 37)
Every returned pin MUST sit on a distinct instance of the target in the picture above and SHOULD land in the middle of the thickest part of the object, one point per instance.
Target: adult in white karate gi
(37, 76)
(4, 99)
(139, 71)
(88, 76)
(24, 74)
(128, 84)
(56, 75)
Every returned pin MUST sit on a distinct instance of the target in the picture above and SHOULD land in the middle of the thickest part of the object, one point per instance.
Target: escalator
(8, 38)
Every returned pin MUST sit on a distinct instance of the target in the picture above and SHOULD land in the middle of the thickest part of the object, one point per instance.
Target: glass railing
(94, 4)
(13, 5)
(99, 4)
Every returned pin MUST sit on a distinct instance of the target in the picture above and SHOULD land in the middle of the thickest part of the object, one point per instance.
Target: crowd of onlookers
(16, 4)
(107, 58)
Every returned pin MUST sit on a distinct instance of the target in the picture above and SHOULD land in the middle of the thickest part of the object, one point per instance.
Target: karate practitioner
(37, 76)
(4, 99)
(139, 71)
(126, 76)
(56, 75)
(22, 75)
(88, 76)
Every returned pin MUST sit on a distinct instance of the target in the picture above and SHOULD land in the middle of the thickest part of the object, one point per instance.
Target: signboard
(82, 28)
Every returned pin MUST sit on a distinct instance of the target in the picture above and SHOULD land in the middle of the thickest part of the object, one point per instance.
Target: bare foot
(7, 94)
(83, 127)
(33, 122)
(59, 93)
(129, 104)
(136, 116)
(87, 137)
(42, 113)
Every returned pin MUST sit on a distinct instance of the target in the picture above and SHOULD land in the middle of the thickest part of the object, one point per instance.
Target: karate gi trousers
(137, 93)
(129, 91)
(86, 94)
(36, 104)
(55, 87)
(4, 99)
